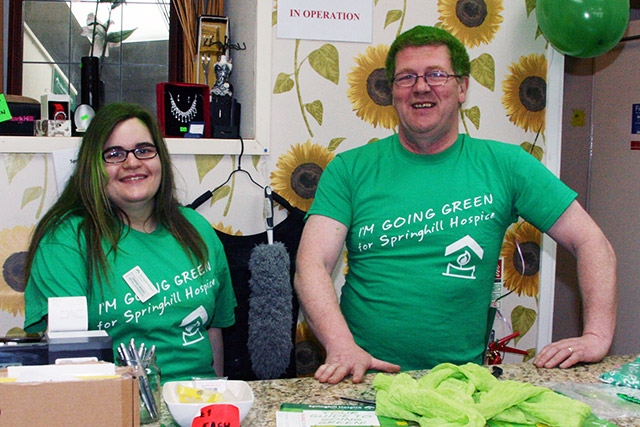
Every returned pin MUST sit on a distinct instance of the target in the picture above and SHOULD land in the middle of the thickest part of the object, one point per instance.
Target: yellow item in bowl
(197, 395)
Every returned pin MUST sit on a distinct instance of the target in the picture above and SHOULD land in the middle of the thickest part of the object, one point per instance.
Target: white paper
(64, 163)
(337, 20)
(289, 419)
(67, 372)
(68, 314)
(76, 334)
(340, 418)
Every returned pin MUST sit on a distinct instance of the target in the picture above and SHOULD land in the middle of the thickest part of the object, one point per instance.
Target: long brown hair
(101, 221)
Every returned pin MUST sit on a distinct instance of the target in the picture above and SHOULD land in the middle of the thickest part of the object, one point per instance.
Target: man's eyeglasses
(119, 155)
(432, 78)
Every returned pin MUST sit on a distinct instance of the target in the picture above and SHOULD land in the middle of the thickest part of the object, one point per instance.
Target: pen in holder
(143, 362)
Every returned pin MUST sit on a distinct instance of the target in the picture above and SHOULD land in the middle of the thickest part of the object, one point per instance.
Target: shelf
(43, 144)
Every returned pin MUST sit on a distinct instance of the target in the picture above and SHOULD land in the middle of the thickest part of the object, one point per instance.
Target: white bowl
(184, 413)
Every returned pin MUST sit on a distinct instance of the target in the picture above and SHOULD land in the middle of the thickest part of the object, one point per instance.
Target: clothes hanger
(269, 194)
(209, 193)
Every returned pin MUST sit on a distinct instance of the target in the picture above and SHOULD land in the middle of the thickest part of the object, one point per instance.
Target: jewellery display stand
(225, 110)
(183, 107)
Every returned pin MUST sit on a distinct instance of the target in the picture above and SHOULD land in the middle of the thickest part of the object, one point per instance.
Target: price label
(218, 415)
(5, 114)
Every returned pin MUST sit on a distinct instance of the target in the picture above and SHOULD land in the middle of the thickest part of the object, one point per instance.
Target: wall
(321, 108)
(576, 139)
(595, 125)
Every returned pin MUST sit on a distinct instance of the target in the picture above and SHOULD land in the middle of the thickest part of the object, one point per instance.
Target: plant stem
(93, 30)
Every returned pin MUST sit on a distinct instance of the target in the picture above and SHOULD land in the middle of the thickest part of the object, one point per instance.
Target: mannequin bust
(222, 68)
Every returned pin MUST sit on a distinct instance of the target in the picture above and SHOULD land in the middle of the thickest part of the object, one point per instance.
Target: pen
(350, 399)
(628, 398)
(132, 358)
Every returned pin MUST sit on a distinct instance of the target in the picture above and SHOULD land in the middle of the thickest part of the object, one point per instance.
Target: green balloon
(583, 28)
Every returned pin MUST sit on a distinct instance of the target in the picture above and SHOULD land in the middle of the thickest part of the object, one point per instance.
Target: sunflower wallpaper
(328, 97)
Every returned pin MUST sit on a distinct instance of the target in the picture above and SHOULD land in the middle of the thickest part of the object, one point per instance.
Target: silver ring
(570, 349)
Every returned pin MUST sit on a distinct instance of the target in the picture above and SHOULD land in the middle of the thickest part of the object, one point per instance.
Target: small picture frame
(213, 37)
(179, 105)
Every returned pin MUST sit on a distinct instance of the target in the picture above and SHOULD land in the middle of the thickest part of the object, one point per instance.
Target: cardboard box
(100, 402)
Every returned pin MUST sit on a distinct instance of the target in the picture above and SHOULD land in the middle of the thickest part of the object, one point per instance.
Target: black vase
(90, 85)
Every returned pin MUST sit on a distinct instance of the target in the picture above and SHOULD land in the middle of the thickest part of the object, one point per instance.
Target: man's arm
(320, 247)
(576, 231)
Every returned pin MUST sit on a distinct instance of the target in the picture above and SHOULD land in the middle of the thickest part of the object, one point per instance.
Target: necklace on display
(183, 116)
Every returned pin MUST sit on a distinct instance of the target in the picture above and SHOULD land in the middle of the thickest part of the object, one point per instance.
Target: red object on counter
(500, 346)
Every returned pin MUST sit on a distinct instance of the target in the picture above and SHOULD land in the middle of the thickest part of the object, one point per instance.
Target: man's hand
(352, 361)
(566, 353)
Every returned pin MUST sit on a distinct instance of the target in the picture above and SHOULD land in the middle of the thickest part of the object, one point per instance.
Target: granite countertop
(269, 394)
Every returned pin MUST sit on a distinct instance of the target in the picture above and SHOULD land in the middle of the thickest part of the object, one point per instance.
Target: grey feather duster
(270, 310)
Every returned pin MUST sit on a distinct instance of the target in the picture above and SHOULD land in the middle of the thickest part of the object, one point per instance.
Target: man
(423, 214)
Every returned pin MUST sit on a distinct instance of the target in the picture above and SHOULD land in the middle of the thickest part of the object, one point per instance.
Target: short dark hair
(423, 35)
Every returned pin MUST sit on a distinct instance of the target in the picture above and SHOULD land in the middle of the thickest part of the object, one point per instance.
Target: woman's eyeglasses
(119, 154)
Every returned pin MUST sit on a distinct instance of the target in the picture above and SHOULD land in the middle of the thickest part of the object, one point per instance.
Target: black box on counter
(63, 345)
(225, 117)
(24, 113)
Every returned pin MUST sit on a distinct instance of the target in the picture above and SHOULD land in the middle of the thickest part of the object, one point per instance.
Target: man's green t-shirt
(425, 233)
(191, 299)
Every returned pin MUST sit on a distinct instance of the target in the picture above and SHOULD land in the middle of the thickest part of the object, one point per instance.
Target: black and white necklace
(183, 116)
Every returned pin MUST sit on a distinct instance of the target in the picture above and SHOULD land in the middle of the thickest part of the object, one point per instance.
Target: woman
(150, 269)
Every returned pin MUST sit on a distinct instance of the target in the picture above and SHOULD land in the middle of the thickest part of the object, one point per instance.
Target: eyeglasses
(432, 78)
(119, 154)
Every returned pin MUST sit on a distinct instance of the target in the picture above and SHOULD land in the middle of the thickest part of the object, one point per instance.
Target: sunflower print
(298, 171)
(226, 229)
(521, 253)
(13, 245)
(472, 21)
(525, 93)
(369, 90)
(345, 259)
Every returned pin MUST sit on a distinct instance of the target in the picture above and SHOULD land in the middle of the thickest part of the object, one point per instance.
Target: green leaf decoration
(31, 194)
(316, 110)
(393, 15)
(221, 193)
(284, 83)
(255, 160)
(483, 70)
(274, 18)
(205, 163)
(473, 114)
(119, 36)
(522, 319)
(326, 61)
(535, 150)
(334, 143)
(531, 353)
(15, 162)
(531, 5)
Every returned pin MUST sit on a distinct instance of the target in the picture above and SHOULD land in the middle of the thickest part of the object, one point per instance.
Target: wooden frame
(256, 31)
(16, 41)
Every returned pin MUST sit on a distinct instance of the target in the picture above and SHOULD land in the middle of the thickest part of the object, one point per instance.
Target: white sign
(68, 314)
(336, 20)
